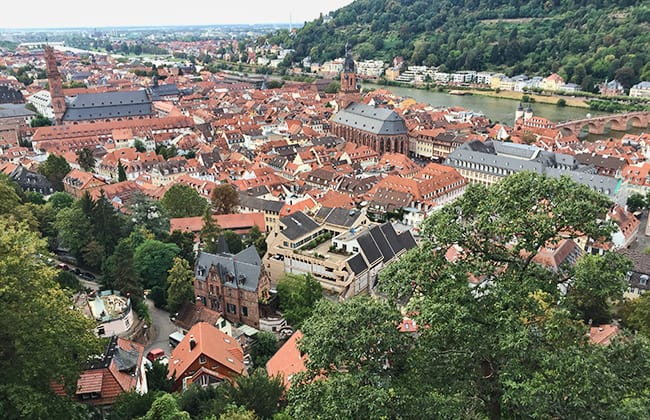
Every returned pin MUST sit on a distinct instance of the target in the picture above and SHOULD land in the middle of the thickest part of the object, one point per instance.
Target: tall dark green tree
(121, 172)
(209, 233)
(181, 285)
(119, 272)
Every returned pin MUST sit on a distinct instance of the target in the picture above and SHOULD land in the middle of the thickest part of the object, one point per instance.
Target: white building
(640, 90)
(42, 101)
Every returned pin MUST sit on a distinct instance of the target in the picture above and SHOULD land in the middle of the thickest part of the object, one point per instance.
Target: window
(202, 359)
(244, 311)
(231, 308)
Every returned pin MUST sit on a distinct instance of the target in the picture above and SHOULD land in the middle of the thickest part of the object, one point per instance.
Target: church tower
(56, 85)
(348, 75)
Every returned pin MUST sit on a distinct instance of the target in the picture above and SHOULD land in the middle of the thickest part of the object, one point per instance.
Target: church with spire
(349, 74)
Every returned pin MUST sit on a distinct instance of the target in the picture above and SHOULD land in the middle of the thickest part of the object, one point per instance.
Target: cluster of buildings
(339, 183)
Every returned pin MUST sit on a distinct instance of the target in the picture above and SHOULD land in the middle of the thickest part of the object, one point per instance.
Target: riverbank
(570, 101)
(543, 99)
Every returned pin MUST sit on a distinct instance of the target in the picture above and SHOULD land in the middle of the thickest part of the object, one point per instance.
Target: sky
(115, 13)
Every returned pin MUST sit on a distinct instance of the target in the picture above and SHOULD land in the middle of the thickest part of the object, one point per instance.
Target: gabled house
(205, 356)
(235, 285)
(77, 182)
(119, 370)
(31, 181)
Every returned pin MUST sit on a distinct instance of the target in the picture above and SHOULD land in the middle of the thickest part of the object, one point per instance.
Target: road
(161, 327)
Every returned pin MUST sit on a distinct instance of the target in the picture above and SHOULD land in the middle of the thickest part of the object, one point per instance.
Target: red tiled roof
(287, 361)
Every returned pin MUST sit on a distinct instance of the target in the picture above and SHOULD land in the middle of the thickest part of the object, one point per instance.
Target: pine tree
(121, 172)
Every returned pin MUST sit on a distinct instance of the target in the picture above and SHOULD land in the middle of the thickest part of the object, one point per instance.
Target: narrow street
(161, 327)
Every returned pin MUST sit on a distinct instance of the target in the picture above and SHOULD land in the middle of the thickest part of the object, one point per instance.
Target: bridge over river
(598, 125)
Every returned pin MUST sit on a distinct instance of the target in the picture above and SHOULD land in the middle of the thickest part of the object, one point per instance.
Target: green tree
(209, 233)
(497, 331)
(139, 146)
(119, 272)
(358, 348)
(184, 241)
(235, 244)
(333, 87)
(148, 214)
(165, 407)
(152, 260)
(86, 159)
(595, 282)
(93, 254)
(636, 202)
(31, 356)
(266, 344)
(181, 285)
(257, 238)
(256, 392)
(131, 405)
(183, 201)
(60, 200)
(298, 297)
(67, 280)
(40, 121)
(73, 226)
(225, 199)
(55, 168)
(157, 379)
(121, 172)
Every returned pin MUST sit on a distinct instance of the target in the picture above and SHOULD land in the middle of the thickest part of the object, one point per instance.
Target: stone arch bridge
(597, 125)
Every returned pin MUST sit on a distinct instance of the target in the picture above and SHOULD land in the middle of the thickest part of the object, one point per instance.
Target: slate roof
(88, 106)
(380, 244)
(9, 95)
(236, 271)
(297, 224)
(357, 264)
(159, 91)
(15, 110)
(369, 248)
(31, 181)
(256, 203)
(551, 164)
(372, 119)
(338, 216)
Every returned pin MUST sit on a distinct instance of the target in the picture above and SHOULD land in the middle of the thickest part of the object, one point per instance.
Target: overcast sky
(84, 13)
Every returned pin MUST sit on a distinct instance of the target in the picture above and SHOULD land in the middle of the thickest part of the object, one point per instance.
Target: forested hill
(587, 41)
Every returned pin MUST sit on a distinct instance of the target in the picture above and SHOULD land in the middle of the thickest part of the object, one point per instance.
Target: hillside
(585, 41)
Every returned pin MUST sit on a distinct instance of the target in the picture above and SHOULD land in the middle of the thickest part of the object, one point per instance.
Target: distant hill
(586, 41)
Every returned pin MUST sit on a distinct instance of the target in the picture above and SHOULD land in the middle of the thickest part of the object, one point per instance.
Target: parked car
(62, 266)
(156, 354)
(87, 276)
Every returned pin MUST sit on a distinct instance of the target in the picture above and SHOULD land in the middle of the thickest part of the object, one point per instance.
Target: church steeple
(349, 74)
(56, 85)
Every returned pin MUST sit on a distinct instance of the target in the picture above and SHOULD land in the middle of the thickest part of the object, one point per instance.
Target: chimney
(192, 342)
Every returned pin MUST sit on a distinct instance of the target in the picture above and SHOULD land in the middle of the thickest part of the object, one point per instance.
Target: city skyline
(122, 13)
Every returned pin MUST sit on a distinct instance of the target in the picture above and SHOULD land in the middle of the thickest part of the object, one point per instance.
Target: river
(496, 109)
(502, 109)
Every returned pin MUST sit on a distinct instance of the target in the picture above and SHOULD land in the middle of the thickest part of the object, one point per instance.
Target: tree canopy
(298, 296)
(31, 355)
(183, 201)
(225, 199)
(181, 285)
(55, 168)
(576, 38)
